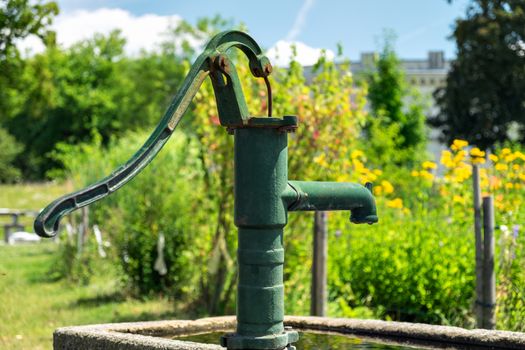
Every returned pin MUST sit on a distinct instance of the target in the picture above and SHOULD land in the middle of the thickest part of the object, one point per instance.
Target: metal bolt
(223, 64)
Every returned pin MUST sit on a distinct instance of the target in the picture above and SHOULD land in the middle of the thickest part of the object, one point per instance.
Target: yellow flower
(458, 144)
(378, 172)
(505, 152)
(446, 159)
(395, 203)
(501, 167)
(476, 152)
(519, 155)
(516, 167)
(321, 160)
(387, 186)
(493, 157)
(426, 175)
(370, 176)
(356, 154)
(358, 165)
(460, 156)
(477, 160)
(343, 178)
(462, 173)
(509, 185)
(429, 165)
(378, 190)
(458, 199)
(414, 173)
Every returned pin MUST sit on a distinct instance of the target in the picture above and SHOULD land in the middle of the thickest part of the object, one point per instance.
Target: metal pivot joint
(263, 193)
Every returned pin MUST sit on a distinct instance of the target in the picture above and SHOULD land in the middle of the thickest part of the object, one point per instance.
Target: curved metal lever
(212, 61)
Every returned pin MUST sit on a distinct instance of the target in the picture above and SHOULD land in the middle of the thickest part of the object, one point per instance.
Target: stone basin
(156, 334)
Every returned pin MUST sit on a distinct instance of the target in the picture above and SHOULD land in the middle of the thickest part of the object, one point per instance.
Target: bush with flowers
(418, 263)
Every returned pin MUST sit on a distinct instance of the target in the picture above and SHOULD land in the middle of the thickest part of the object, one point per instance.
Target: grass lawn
(32, 304)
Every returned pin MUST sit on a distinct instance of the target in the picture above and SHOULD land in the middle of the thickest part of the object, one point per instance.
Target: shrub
(9, 149)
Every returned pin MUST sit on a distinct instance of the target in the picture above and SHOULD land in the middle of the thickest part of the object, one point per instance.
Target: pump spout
(321, 196)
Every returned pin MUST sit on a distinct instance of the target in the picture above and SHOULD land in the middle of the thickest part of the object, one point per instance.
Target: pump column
(261, 176)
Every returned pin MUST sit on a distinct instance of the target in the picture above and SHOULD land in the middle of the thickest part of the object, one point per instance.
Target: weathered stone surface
(139, 335)
(414, 333)
(147, 335)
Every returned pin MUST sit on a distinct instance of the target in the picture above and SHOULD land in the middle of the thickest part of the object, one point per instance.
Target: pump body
(263, 193)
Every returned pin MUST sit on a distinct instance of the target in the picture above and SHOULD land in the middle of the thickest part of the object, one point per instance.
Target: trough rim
(146, 335)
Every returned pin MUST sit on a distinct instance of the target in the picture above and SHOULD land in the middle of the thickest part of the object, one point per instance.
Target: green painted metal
(232, 112)
(325, 196)
(261, 175)
(263, 193)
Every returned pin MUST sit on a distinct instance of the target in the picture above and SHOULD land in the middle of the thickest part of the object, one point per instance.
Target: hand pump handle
(214, 62)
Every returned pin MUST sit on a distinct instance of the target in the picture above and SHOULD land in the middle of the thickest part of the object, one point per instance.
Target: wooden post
(319, 293)
(84, 227)
(479, 246)
(489, 275)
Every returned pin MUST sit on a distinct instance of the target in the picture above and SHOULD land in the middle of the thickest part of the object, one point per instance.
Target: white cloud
(300, 20)
(141, 32)
(281, 53)
(146, 31)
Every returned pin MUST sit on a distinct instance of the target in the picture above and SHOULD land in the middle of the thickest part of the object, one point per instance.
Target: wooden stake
(84, 227)
(479, 245)
(319, 294)
(489, 275)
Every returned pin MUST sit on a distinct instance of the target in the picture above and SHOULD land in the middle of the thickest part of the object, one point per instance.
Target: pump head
(233, 112)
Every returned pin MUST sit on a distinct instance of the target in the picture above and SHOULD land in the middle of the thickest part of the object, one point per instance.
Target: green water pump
(263, 193)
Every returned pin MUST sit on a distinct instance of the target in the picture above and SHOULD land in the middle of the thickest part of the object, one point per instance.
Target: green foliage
(19, 19)
(317, 151)
(423, 273)
(485, 87)
(72, 266)
(396, 132)
(89, 87)
(134, 217)
(511, 280)
(69, 93)
(9, 149)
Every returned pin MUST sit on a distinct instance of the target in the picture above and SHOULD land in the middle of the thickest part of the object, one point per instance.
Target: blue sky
(420, 25)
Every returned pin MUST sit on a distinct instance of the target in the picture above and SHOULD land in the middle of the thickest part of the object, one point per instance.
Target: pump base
(267, 342)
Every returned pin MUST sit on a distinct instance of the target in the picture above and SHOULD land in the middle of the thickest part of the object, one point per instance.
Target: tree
(19, 19)
(396, 133)
(485, 91)
(9, 149)
(70, 93)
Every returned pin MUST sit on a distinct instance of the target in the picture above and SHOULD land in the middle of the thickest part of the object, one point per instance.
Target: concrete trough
(149, 335)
